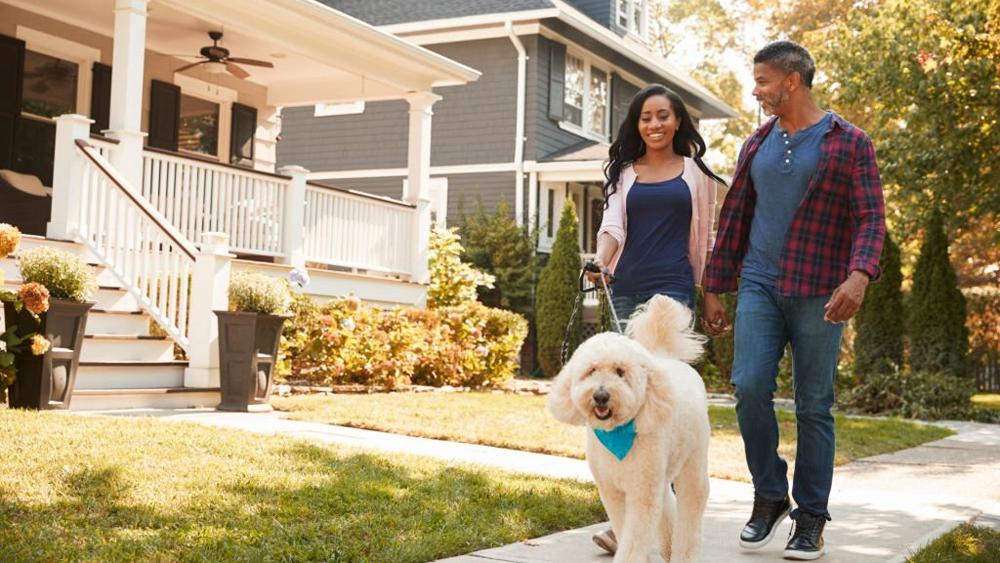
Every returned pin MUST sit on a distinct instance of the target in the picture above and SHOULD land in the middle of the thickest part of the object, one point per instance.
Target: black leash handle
(606, 279)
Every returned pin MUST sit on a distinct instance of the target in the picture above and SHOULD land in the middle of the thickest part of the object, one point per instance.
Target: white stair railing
(151, 259)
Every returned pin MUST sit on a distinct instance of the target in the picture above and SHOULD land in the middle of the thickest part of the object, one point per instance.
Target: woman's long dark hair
(628, 146)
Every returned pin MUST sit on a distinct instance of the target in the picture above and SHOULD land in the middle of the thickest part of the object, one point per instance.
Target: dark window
(49, 85)
(198, 129)
(551, 213)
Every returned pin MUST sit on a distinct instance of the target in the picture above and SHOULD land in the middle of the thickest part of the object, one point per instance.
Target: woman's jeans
(765, 323)
(625, 305)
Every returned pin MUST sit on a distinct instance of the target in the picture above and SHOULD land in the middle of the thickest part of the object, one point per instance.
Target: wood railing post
(67, 176)
(293, 227)
(209, 292)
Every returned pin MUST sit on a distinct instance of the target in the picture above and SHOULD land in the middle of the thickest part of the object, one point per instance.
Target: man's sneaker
(806, 539)
(606, 540)
(764, 520)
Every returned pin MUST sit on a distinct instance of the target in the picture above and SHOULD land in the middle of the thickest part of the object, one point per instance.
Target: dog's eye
(620, 372)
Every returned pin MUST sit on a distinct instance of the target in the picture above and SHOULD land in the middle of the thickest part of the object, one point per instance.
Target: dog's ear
(657, 407)
(560, 399)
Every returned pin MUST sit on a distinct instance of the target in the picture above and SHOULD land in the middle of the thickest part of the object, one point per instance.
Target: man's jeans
(765, 322)
(625, 305)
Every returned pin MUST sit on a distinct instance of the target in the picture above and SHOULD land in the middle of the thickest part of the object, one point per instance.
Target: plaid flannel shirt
(838, 228)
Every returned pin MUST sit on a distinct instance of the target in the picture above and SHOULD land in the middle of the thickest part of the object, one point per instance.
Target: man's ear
(560, 399)
(657, 406)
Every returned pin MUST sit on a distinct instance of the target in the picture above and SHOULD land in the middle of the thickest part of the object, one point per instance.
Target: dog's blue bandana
(619, 439)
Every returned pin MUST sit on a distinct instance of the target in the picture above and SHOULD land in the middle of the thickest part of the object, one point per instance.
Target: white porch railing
(104, 146)
(353, 230)
(148, 256)
(199, 197)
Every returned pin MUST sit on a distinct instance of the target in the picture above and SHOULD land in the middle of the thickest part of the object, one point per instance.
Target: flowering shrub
(64, 275)
(32, 297)
(251, 292)
(453, 282)
(345, 341)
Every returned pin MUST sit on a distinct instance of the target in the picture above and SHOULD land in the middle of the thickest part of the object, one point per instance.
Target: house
(534, 130)
(141, 135)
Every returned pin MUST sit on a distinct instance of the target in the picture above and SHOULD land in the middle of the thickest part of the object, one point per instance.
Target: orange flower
(10, 237)
(35, 297)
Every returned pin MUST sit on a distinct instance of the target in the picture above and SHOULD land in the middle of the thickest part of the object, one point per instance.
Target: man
(800, 236)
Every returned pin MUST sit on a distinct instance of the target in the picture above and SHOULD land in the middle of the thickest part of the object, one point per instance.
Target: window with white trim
(632, 15)
(198, 130)
(575, 92)
(585, 104)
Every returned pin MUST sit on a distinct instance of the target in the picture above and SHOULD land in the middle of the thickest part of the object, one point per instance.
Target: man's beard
(769, 106)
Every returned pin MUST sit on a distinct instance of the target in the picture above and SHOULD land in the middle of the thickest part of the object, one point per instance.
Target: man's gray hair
(789, 57)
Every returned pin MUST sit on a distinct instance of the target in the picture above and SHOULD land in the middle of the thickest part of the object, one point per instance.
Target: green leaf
(6, 359)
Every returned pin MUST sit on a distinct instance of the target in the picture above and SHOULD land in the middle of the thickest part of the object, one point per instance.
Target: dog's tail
(665, 326)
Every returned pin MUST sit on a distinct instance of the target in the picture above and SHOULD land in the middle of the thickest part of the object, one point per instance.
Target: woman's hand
(714, 319)
(595, 277)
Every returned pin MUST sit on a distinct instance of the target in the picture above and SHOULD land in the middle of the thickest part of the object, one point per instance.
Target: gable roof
(379, 12)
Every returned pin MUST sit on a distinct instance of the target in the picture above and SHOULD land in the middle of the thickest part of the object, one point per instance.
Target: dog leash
(589, 267)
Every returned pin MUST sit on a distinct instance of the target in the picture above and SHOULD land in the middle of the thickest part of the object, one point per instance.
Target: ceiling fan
(218, 60)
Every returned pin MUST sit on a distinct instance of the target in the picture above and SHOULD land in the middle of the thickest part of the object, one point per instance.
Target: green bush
(251, 292)
(453, 282)
(879, 324)
(65, 275)
(498, 246)
(983, 322)
(939, 339)
(923, 395)
(345, 341)
(557, 291)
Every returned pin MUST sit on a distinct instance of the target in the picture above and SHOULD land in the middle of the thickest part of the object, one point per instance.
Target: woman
(659, 209)
(659, 204)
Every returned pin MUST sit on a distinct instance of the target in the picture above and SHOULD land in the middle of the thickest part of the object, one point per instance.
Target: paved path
(884, 507)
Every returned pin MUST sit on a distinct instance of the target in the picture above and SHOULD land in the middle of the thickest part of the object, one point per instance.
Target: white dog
(617, 383)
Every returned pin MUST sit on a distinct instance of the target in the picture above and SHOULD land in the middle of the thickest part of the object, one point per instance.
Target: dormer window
(632, 16)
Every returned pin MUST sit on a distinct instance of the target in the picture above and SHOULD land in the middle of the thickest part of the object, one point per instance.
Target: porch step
(106, 297)
(130, 375)
(126, 348)
(156, 397)
(103, 321)
(12, 272)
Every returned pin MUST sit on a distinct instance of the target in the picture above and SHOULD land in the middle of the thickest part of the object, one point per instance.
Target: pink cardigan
(702, 236)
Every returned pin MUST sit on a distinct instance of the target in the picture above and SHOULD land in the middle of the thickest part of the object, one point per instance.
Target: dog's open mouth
(602, 413)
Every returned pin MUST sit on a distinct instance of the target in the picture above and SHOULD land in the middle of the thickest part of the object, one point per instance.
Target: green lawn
(100, 489)
(521, 422)
(987, 400)
(965, 544)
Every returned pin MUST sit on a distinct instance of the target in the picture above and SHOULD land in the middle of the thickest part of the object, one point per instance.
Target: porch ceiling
(319, 54)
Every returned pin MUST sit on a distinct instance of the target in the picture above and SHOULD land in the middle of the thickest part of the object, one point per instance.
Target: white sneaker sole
(754, 546)
(804, 555)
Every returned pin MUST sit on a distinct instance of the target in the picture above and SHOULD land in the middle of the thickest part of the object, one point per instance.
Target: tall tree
(939, 339)
(923, 78)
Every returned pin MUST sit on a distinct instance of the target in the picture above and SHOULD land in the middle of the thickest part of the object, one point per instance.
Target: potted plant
(49, 312)
(249, 335)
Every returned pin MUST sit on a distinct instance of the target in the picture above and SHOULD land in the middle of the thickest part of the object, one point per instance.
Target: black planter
(46, 382)
(248, 349)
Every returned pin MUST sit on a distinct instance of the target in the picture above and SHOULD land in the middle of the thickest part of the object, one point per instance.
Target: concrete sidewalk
(884, 507)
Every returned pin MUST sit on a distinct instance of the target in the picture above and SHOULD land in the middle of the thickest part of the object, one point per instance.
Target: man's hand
(714, 319)
(846, 299)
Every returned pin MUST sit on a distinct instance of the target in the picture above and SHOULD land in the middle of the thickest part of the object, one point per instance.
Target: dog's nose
(601, 396)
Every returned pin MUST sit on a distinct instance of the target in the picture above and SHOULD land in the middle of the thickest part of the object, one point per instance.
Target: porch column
(209, 292)
(293, 235)
(67, 176)
(417, 189)
(125, 121)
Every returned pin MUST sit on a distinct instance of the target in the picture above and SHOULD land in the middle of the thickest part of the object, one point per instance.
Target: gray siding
(546, 137)
(472, 124)
(464, 190)
(601, 11)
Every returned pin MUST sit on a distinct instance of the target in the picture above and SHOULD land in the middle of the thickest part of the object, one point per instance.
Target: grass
(521, 422)
(965, 544)
(987, 400)
(102, 489)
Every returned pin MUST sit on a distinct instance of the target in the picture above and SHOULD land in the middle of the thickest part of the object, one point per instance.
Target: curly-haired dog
(646, 411)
